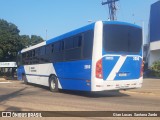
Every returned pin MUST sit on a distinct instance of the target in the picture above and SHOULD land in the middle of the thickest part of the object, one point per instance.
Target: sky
(50, 18)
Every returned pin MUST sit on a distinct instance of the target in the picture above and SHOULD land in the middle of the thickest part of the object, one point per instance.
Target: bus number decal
(87, 66)
(136, 58)
(109, 58)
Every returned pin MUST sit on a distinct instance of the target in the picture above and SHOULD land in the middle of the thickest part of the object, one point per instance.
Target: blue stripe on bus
(72, 70)
(72, 33)
(104, 52)
(121, 23)
(74, 84)
(131, 68)
(38, 75)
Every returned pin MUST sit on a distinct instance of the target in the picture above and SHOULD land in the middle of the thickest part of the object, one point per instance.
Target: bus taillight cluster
(99, 71)
(142, 68)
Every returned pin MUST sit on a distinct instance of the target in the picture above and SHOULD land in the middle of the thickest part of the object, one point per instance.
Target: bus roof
(33, 47)
(121, 23)
(63, 36)
(86, 28)
(74, 32)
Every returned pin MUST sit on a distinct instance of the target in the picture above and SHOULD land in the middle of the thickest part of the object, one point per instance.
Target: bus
(105, 55)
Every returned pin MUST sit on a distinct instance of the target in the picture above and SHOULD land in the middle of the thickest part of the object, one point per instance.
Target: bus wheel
(53, 84)
(24, 79)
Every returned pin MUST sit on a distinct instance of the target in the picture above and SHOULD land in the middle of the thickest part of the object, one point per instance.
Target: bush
(156, 68)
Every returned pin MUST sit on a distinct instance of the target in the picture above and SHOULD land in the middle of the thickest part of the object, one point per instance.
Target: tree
(27, 41)
(35, 40)
(156, 69)
(9, 41)
(1, 53)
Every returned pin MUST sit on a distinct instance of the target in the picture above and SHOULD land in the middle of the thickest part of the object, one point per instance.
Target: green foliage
(11, 42)
(27, 41)
(156, 68)
(35, 40)
(1, 53)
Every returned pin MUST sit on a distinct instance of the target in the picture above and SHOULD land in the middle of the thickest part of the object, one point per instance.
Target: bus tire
(53, 83)
(24, 79)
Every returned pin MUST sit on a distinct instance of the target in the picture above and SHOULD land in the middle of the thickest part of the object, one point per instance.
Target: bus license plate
(122, 74)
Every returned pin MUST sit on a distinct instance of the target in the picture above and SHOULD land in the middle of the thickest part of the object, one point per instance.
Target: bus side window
(42, 50)
(30, 54)
(88, 44)
(62, 45)
(33, 53)
(69, 43)
(37, 54)
(52, 48)
(73, 48)
(78, 41)
(47, 49)
(27, 55)
(23, 58)
(27, 58)
(57, 46)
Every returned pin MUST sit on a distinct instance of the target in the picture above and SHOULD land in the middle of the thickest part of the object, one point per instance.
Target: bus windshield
(122, 38)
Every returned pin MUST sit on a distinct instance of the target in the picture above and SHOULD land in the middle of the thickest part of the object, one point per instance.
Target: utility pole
(112, 8)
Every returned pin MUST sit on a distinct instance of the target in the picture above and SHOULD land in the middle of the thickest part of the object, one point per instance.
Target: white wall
(154, 56)
(155, 45)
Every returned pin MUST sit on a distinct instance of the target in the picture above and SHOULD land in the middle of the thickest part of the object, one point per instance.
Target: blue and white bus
(105, 55)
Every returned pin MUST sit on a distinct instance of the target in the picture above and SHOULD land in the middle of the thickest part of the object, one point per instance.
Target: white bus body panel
(39, 74)
(97, 53)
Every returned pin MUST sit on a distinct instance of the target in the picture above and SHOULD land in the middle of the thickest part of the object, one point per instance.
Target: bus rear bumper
(118, 85)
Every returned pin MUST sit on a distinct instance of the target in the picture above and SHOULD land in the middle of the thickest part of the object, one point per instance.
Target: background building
(154, 53)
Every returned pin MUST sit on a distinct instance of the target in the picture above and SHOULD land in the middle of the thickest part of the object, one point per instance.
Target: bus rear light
(142, 68)
(99, 72)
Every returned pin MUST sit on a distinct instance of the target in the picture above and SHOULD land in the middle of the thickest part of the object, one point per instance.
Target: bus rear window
(122, 38)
